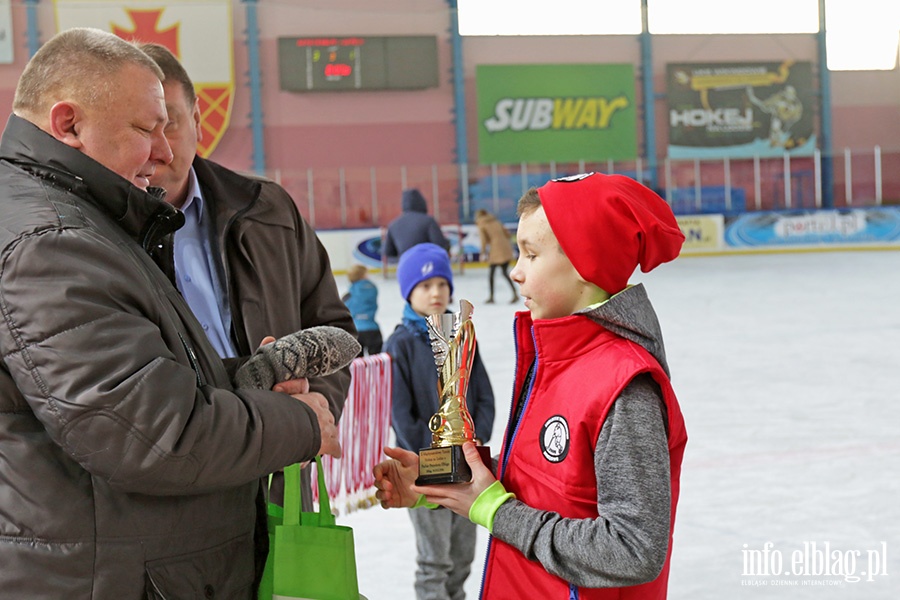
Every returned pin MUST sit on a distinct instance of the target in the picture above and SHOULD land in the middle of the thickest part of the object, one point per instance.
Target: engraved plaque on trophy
(453, 344)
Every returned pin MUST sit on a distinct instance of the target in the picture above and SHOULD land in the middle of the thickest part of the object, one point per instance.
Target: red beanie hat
(609, 224)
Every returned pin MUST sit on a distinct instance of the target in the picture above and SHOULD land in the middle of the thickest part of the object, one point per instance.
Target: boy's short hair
(421, 262)
(356, 272)
(607, 225)
(528, 203)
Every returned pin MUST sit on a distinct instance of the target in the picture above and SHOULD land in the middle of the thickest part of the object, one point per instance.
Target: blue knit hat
(421, 262)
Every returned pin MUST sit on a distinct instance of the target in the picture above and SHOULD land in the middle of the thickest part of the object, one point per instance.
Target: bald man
(130, 466)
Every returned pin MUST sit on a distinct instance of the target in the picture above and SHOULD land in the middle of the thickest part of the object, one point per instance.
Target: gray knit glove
(313, 352)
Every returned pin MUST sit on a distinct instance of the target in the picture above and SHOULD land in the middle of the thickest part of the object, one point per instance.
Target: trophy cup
(453, 344)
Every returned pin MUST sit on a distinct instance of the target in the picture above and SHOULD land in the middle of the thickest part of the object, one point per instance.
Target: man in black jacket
(130, 464)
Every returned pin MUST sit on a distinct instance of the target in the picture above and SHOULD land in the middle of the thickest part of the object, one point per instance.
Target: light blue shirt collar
(194, 200)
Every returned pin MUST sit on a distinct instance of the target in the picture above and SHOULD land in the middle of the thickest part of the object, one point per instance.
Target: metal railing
(369, 197)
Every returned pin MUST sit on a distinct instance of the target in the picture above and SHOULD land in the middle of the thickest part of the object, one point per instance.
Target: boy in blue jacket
(445, 541)
(362, 301)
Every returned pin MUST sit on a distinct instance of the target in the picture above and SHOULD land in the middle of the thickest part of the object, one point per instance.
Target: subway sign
(568, 114)
(561, 113)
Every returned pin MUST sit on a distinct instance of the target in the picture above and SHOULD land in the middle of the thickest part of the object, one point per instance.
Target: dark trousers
(370, 341)
(503, 270)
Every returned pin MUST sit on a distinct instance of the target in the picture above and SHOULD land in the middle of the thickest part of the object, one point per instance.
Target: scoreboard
(323, 64)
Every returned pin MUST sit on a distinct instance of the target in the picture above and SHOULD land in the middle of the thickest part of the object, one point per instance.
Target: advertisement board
(811, 227)
(561, 113)
(740, 110)
(701, 232)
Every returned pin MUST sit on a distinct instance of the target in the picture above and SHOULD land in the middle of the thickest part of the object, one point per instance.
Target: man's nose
(160, 151)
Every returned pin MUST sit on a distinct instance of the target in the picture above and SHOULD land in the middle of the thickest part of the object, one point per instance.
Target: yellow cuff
(486, 504)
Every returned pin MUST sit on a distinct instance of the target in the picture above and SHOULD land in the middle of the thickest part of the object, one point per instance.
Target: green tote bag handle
(292, 513)
(314, 558)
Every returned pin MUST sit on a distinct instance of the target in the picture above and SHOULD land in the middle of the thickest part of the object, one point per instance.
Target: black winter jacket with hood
(413, 226)
(129, 465)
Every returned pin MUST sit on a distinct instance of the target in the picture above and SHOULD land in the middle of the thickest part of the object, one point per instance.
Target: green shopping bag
(310, 557)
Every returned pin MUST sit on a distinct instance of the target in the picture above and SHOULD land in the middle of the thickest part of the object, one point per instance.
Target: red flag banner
(199, 33)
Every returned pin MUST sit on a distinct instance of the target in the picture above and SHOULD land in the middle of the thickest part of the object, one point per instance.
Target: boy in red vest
(581, 503)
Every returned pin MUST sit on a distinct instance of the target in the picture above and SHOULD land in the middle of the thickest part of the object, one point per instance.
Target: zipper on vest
(573, 592)
(515, 415)
(484, 572)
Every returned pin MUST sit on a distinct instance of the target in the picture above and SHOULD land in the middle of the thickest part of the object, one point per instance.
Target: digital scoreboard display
(324, 64)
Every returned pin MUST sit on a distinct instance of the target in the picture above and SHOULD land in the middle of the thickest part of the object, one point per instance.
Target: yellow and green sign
(561, 113)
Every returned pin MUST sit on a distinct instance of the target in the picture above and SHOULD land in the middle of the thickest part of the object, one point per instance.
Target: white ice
(787, 367)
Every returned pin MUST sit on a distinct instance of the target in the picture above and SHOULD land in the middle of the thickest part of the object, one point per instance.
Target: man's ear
(195, 117)
(65, 123)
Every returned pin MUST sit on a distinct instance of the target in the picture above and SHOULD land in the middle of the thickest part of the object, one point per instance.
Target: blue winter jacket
(415, 377)
(362, 300)
(413, 227)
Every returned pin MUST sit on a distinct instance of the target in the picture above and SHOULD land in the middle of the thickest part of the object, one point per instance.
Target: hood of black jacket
(414, 201)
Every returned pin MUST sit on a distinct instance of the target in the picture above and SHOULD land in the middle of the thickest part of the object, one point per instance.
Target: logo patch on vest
(555, 438)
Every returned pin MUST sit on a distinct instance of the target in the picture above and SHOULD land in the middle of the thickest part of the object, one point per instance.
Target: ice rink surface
(787, 367)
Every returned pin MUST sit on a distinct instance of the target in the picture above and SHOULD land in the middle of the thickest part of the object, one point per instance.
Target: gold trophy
(453, 345)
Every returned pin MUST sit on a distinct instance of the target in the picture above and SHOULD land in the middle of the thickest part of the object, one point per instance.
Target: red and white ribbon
(364, 429)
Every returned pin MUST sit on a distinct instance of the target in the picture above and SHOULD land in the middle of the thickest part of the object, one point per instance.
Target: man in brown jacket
(248, 264)
(270, 274)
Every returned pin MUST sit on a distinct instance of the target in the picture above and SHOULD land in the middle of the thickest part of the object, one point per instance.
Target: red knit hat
(608, 225)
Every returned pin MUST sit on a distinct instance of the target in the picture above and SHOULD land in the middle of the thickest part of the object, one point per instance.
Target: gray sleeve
(627, 544)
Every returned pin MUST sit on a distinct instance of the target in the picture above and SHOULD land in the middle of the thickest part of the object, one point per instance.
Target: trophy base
(447, 464)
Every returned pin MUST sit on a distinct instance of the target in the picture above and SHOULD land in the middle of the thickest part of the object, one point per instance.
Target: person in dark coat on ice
(413, 226)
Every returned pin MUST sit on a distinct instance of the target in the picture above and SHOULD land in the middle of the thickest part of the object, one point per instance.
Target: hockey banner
(740, 110)
(561, 113)
(199, 33)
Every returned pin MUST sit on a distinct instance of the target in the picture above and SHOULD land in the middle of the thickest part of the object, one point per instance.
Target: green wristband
(486, 504)
(421, 502)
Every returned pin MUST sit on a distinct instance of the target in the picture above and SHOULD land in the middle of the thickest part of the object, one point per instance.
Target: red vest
(581, 369)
